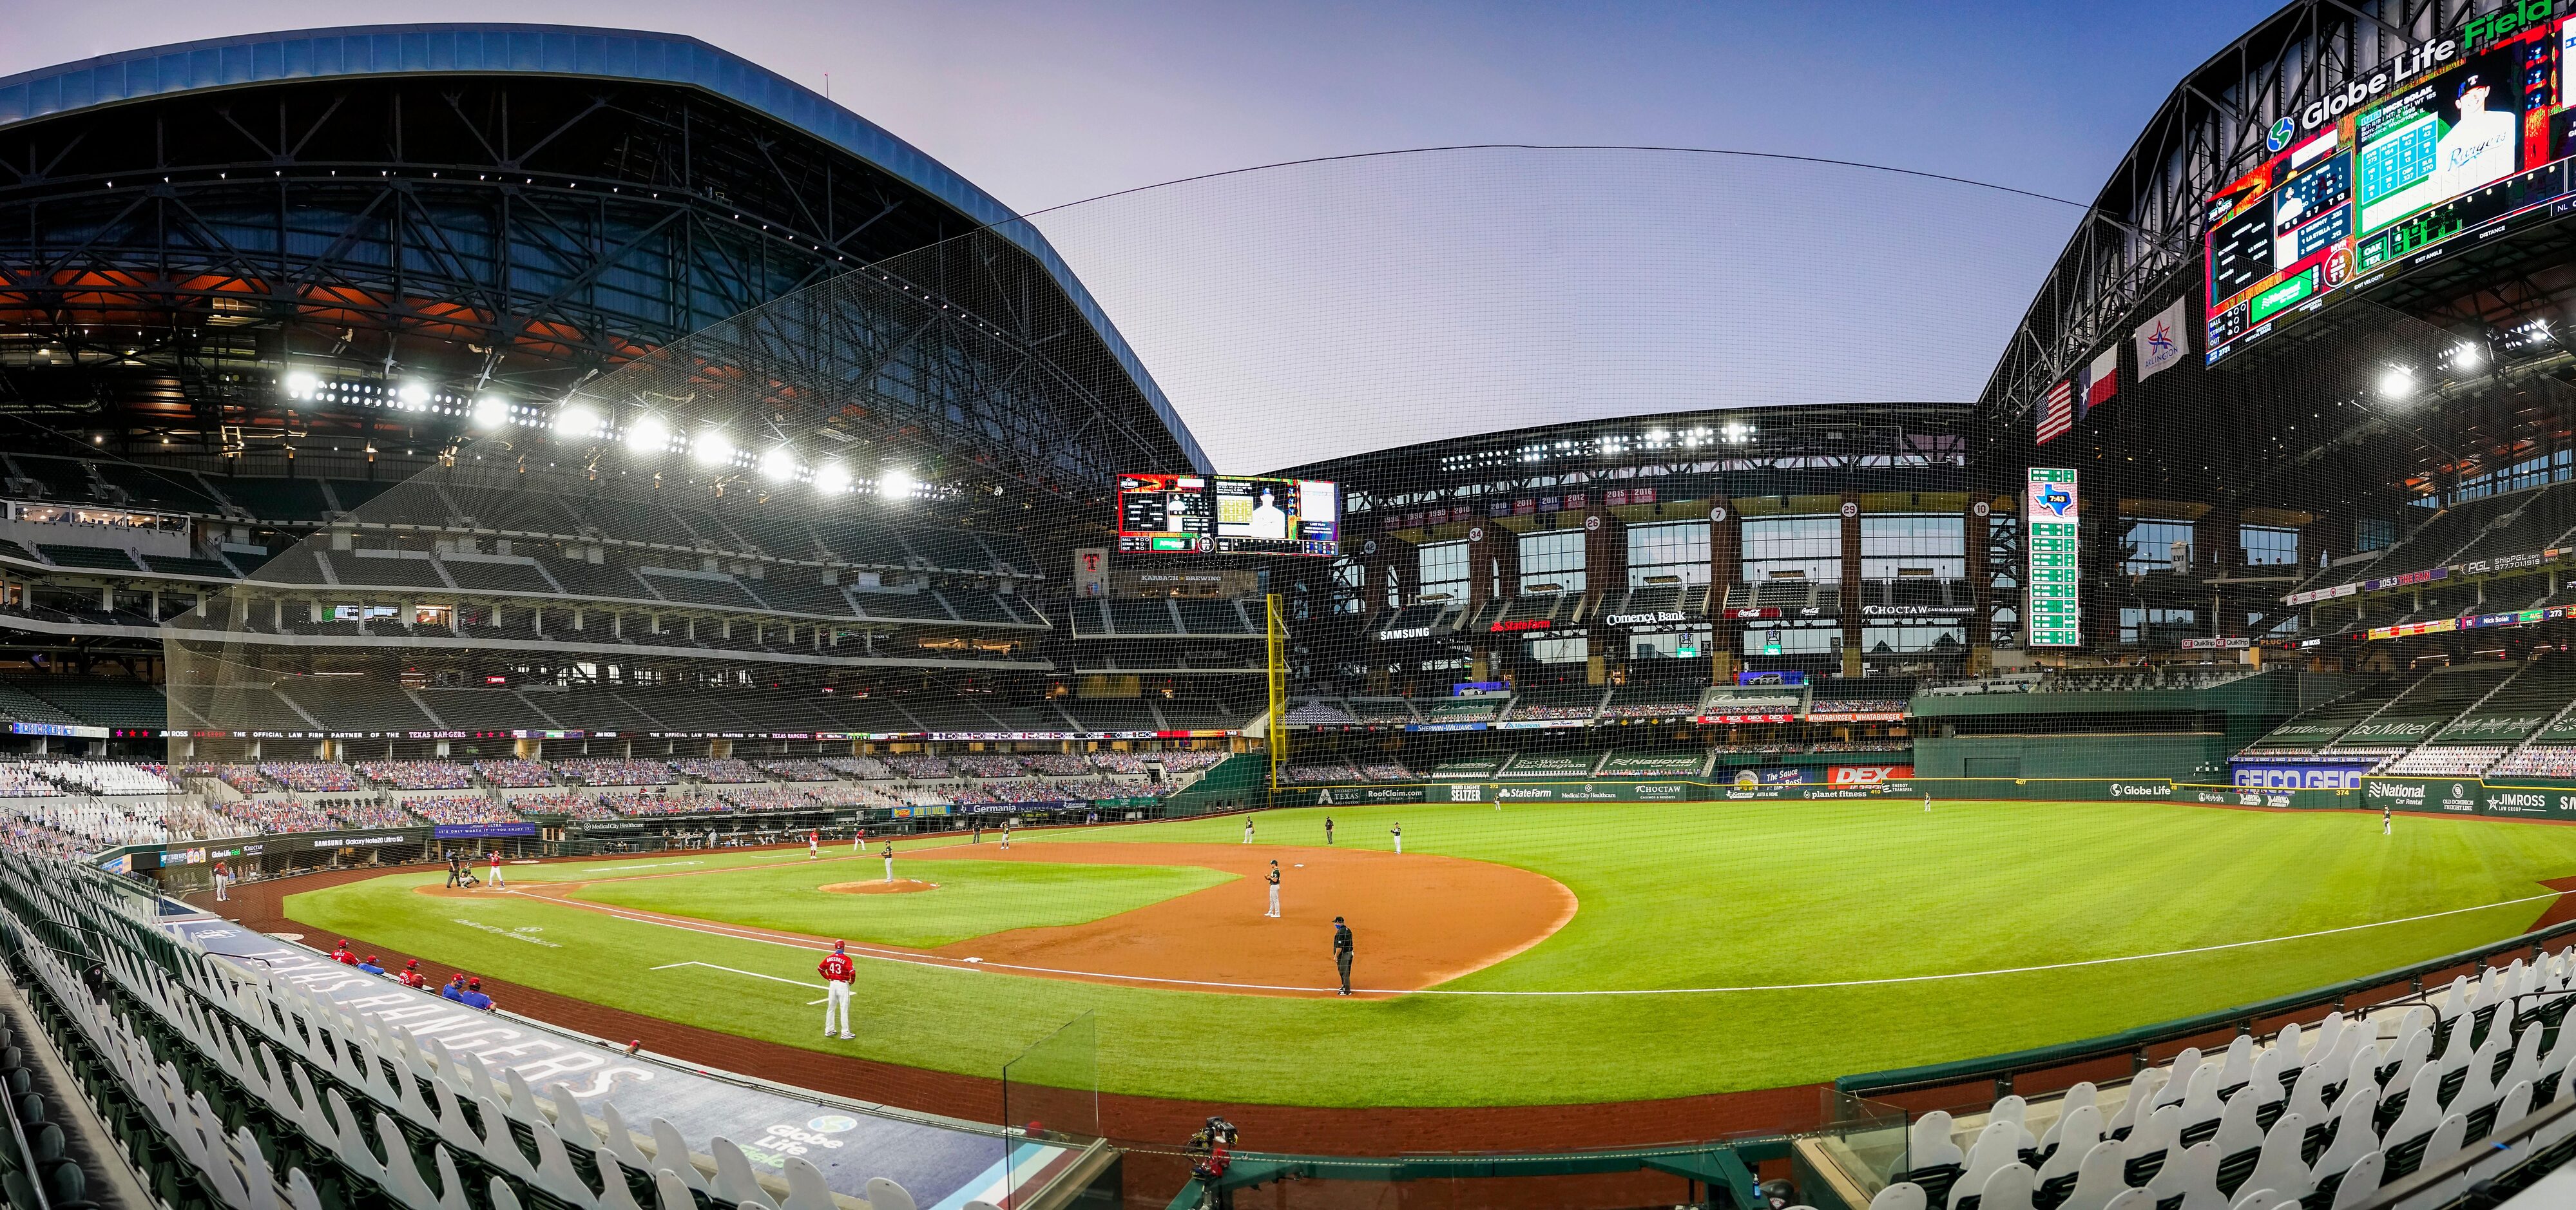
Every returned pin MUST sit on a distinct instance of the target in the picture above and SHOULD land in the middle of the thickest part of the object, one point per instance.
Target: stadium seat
(2449, 1139)
(884, 1194)
(2177, 1085)
(2355, 1186)
(734, 1181)
(615, 1191)
(671, 1153)
(2072, 1138)
(2238, 1134)
(2098, 1179)
(805, 1187)
(671, 1193)
(1929, 1145)
(2193, 1176)
(1997, 1145)
(1903, 1195)
(2008, 1188)
(2281, 1167)
(2421, 1112)
(2141, 1099)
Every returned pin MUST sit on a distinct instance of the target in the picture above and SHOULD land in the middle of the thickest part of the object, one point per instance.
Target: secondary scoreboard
(2050, 535)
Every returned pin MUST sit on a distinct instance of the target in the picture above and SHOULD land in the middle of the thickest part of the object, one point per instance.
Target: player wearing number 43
(837, 971)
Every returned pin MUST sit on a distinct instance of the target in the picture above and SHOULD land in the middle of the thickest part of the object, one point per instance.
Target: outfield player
(1274, 890)
(889, 860)
(837, 971)
(1247, 829)
(1398, 831)
(1927, 802)
(2387, 826)
(1328, 830)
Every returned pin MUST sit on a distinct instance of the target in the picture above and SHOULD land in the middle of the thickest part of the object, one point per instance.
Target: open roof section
(559, 51)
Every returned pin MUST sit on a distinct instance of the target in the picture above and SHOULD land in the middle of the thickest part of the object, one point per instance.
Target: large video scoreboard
(1228, 514)
(2466, 135)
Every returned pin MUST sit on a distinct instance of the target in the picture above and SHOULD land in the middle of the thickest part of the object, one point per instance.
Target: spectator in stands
(473, 997)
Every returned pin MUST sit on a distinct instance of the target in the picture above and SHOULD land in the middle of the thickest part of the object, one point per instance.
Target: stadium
(522, 542)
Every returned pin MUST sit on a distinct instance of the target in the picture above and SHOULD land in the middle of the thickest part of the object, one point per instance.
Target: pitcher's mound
(900, 886)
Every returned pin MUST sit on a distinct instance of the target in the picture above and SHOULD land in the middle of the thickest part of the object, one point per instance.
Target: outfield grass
(1679, 896)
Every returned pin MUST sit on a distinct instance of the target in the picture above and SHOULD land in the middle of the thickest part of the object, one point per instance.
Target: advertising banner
(1867, 775)
(2272, 775)
(478, 831)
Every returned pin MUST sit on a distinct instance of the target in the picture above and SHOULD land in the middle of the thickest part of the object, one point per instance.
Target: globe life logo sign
(2503, 23)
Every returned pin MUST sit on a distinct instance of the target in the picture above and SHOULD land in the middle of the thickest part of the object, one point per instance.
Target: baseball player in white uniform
(837, 971)
(1398, 832)
(889, 860)
(1274, 891)
(1247, 829)
(813, 845)
(497, 884)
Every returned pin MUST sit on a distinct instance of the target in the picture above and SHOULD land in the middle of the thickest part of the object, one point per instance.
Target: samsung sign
(2299, 776)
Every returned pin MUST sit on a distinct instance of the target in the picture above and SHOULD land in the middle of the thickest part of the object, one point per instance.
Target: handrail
(2458, 1166)
(2002, 1067)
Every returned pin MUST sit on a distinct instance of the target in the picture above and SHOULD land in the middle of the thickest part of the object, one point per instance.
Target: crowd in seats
(2460, 761)
(1319, 712)
(2323, 1112)
(768, 799)
(720, 770)
(1318, 774)
(273, 815)
(1056, 764)
(22, 781)
(846, 794)
(418, 774)
(857, 766)
(612, 771)
(514, 774)
(245, 778)
(657, 802)
(372, 813)
(1386, 770)
(2538, 761)
(94, 823)
(794, 770)
(312, 776)
(985, 765)
(461, 809)
(921, 767)
(561, 802)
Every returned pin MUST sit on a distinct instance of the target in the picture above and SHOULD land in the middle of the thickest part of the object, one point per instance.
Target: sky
(1304, 312)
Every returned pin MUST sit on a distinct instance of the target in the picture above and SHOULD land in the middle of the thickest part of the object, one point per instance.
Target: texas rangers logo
(2056, 500)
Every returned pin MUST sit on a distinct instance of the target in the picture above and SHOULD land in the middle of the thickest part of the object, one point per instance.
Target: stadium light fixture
(712, 448)
(648, 434)
(2397, 383)
(577, 420)
(779, 464)
(299, 385)
(491, 412)
(414, 396)
(2467, 357)
(832, 479)
(897, 484)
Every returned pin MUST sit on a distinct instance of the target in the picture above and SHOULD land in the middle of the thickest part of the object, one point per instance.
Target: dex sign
(2050, 533)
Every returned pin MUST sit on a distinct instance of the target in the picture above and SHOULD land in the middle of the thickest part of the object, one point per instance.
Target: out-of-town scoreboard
(2049, 531)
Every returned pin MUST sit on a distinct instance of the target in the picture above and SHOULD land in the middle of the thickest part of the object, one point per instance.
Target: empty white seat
(805, 1187)
(2082, 1094)
(1903, 1195)
(2513, 1106)
(2015, 1110)
(2130, 1199)
(669, 1193)
(1928, 1143)
(1997, 1145)
(2360, 1181)
(2075, 1133)
(2200, 1101)
(2099, 1178)
(2265, 1078)
(2140, 1099)
(614, 1193)
(2280, 1168)
(671, 1153)
(2236, 1067)
(884, 1194)
(2423, 1109)
(2162, 1131)
(2008, 1188)
(734, 1181)
(2448, 1138)
(2191, 1175)
(2354, 1135)
(2179, 1082)
(2238, 1129)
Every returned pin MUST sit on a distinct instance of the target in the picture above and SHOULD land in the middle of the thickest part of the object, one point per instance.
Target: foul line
(955, 964)
(754, 974)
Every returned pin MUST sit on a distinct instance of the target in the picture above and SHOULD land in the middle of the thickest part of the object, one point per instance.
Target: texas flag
(2097, 382)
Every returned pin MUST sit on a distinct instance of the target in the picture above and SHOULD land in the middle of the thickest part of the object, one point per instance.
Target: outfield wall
(2547, 798)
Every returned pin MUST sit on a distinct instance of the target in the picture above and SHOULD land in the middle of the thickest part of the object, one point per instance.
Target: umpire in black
(455, 869)
(1342, 952)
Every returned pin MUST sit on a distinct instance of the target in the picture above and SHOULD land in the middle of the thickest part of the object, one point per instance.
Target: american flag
(2057, 411)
